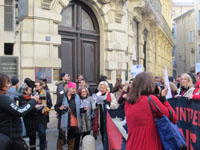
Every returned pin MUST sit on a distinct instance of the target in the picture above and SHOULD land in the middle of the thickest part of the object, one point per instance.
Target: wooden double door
(79, 50)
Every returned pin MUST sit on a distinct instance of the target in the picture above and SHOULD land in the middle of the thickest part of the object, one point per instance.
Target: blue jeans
(42, 136)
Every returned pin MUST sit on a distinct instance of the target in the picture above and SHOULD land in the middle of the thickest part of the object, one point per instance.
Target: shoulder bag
(170, 135)
(73, 120)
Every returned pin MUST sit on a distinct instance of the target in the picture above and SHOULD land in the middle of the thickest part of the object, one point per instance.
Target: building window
(8, 48)
(8, 15)
(199, 19)
(191, 37)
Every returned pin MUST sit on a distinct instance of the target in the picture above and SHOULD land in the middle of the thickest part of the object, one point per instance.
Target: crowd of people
(80, 109)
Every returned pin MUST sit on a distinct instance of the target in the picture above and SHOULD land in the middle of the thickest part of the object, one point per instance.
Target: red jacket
(142, 132)
(196, 93)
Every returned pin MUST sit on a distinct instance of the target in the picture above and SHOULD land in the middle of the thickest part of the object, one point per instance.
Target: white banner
(169, 94)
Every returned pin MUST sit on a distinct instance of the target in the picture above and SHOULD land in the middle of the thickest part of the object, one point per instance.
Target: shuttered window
(8, 15)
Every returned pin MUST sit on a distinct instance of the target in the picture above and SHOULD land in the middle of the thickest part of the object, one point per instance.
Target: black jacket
(60, 95)
(31, 120)
(10, 113)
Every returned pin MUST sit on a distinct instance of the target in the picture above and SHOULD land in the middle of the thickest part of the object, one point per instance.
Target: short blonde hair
(105, 84)
(187, 76)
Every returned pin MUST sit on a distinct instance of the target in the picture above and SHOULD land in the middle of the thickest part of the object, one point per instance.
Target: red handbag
(73, 120)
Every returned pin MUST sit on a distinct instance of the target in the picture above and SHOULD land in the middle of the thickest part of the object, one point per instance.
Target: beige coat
(187, 93)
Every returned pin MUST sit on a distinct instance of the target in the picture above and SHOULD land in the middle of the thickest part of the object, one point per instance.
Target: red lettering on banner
(189, 110)
(193, 139)
(191, 114)
(182, 114)
(195, 118)
(187, 137)
(190, 138)
(199, 118)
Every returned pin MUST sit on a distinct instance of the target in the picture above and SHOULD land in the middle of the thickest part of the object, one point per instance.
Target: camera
(158, 84)
(65, 110)
(41, 97)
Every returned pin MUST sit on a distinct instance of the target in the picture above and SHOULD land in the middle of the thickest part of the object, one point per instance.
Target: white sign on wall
(197, 67)
(136, 69)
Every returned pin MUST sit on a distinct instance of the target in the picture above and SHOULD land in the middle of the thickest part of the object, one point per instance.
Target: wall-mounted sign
(48, 38)
(43, 73)
(9, 66)
(136, 69)
(197, 67)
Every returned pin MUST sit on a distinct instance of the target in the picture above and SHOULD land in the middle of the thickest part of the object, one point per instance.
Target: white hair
(105, 84)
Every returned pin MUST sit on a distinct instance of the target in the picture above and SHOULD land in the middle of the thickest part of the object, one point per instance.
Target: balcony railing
(155, 7)
(166, 28)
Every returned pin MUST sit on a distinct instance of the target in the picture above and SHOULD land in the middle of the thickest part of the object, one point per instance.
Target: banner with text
(188, 120)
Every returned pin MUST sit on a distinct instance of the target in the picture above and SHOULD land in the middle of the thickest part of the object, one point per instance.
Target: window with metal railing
(8, 15)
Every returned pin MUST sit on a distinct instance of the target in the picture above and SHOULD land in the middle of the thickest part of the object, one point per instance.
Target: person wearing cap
(12, 91)
(62, 86)
(60, 108)
(71, 110)
(31, 120)
(64, 77)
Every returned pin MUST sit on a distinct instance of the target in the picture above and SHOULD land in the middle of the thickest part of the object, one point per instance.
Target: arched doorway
(79, 50)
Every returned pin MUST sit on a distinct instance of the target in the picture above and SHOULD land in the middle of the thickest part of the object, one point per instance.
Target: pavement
(52, 134)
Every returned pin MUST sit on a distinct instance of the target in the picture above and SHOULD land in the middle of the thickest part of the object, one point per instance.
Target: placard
(136, 69)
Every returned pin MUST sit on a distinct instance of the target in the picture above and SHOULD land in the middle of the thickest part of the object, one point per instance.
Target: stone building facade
(178, 9)
(197, 30)
(185, 42)
(109, 36)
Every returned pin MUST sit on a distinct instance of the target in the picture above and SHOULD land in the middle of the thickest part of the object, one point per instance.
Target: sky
(183, 1)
